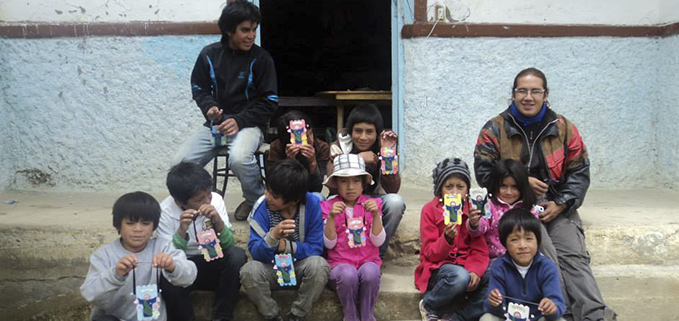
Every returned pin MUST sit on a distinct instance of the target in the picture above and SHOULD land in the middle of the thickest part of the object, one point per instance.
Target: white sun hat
(346, 165)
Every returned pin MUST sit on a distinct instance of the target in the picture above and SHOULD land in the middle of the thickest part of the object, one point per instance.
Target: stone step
(636, 292)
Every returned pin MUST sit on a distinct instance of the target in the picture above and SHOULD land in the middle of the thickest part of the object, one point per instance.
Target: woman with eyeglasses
(551, 148)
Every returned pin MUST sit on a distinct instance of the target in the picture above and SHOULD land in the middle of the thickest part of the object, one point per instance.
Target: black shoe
(292, 317)
(242, 211)
(277, 318)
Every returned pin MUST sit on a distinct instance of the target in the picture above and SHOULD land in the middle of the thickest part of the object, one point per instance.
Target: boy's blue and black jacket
(263, 247)
(542, 281)
(242, 84)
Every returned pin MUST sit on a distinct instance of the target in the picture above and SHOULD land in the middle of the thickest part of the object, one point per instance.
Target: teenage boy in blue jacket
(523, 275)
(286, 220)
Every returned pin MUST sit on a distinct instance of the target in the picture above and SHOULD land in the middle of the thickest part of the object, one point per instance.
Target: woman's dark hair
(136, 206)
(186, 180)
(236, 12)
(288, 179)
(511, 168)
(534, 72)
(370, 114)
(521, 219)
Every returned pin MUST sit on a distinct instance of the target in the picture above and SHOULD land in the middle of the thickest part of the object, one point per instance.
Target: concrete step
(47, 239)
(636, 292)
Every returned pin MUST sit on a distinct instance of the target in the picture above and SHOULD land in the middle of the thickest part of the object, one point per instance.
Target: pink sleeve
(378, 240)
(329, 244)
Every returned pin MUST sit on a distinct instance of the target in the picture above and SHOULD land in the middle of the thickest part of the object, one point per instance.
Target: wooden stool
(260, 155)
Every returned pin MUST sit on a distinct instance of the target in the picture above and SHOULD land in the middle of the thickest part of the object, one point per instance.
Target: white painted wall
(607, 12)
(109, 10)
(620, 92)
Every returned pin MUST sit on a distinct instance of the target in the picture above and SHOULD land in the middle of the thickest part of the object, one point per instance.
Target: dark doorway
(329, 45)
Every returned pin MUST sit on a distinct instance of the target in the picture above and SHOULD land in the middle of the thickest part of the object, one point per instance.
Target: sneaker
(292, 317)
(242, 211)
(428, 315)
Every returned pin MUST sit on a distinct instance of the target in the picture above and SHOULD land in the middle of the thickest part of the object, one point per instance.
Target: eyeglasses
(534, 92)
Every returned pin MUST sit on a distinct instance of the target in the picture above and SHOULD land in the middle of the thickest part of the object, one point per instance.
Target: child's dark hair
(511, 168)
(521, 219)
(235, 13)
(366, 113)
(284, 122)
(136, 206)
(185, 180)
(288, 179)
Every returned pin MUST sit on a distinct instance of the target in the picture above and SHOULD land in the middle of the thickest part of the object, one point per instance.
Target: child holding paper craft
(452, 262)
(353, 234)
(510, 189)
(523, 276)
(195, 219)
(285, 226)
(122, 281)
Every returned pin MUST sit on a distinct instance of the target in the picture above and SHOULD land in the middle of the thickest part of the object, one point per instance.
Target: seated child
(452, 263)
(313, 156)
(110, 286)
(523, 275)
(509, 188)
(286, 220)
(353, 234)
(192, 210)
(364, 136)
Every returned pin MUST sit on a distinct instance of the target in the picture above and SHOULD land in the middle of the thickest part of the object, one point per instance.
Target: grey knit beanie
(447, 167)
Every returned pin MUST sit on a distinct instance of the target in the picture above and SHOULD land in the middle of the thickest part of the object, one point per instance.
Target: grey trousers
(547, 248)
(492, 317)
(586, 301)
(259, 278)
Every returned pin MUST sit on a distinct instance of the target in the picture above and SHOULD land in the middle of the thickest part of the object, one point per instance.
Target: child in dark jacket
(524, 283)
(452, 263)
(286, 220)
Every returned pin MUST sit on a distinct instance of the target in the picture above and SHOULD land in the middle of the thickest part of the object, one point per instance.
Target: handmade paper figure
(389, 160)
(209, 245)
(298, 132)
(148, 302)
(285, 270)
(479, 198)
(517, 312)
(356, 232)
(453, 209)
(217, 138)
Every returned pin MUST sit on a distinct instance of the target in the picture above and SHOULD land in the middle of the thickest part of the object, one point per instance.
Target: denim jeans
(448, 286)
(393, 208)
(242, 161)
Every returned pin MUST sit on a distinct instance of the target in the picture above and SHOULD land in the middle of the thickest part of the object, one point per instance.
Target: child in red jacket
(452, 263)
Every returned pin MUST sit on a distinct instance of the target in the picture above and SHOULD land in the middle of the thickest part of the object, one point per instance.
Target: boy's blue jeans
(242, 161)
(448, 286)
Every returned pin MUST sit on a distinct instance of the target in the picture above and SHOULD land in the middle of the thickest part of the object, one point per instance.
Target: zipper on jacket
(537, 138)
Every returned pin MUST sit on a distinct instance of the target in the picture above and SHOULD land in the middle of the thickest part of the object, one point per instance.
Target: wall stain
(58, 11)
(37, 177)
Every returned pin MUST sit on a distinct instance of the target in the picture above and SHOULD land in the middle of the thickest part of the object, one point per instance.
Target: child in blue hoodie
(286, 220)
(524, 284)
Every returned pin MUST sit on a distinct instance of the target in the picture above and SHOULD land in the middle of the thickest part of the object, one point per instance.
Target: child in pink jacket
(509, 189)
(353, 234)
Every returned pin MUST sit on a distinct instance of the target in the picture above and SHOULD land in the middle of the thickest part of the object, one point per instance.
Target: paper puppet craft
(479, 198)
(356, 232)
(209, 245)
(148, 302)
(453, 209)
(285, 270)
(217, 138)
(389, 160)
(517, 312)
(297, 129)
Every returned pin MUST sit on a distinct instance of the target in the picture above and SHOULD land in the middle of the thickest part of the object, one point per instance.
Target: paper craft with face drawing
(356, 232)
(297, 131)
(148, 302)
(389, 161)
(479, 198)
(209, 245)
(452, 209)
(285, 270)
